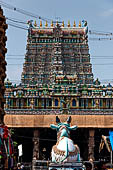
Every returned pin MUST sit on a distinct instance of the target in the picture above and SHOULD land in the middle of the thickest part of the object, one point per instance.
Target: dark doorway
(48, 138)
(101, 154)
(44, 103)
(80, 137)
(84, 103)
(19, 103)
(24, 136)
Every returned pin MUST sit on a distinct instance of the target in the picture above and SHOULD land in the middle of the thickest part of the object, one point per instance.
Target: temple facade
(57, 79)
(3, 50)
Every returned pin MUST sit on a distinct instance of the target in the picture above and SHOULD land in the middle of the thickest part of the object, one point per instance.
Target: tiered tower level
(3, 50)
(57, 51)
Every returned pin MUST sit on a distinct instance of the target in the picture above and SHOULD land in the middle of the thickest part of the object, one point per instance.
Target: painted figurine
(64, 150)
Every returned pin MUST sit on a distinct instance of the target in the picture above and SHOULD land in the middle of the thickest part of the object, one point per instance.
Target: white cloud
(107, 13)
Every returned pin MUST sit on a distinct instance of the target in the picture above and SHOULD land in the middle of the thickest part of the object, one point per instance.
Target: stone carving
(64, 150)
(66, 102)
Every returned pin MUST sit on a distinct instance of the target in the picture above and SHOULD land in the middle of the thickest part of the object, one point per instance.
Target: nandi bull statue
(64, 150)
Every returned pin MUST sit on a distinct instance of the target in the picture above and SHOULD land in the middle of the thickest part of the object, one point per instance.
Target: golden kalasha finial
(51, 23)
(35, 24)
(74, 25)
(68, 24)
(46, 24)
(79, 24)
(63, 24)
(40, 23)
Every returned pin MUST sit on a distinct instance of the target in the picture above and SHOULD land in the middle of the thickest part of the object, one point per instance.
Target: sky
(98, 13)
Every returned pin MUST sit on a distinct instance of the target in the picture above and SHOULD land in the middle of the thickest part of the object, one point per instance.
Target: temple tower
(57, 50)
(3, 50)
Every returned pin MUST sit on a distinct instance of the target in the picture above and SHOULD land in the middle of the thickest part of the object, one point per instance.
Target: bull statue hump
(64, 150)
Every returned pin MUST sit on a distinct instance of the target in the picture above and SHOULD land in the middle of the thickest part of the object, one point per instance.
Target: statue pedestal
(40, 165)
(67, 166)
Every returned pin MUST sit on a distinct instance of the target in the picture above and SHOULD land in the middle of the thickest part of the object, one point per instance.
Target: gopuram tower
(56, 51)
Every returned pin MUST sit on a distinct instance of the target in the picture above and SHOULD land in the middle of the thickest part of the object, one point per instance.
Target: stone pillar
(35, 149)
(91, 144)
(6, 105)
(36, 145)
(52, 103)
(77, 103)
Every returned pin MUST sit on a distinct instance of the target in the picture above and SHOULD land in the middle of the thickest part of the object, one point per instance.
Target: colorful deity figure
(64, 150)
(84, 24)
(30, 23)
(66, 103)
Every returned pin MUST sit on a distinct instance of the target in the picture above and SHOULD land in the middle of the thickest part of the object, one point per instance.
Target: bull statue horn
(57, 119)
(69, 120)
